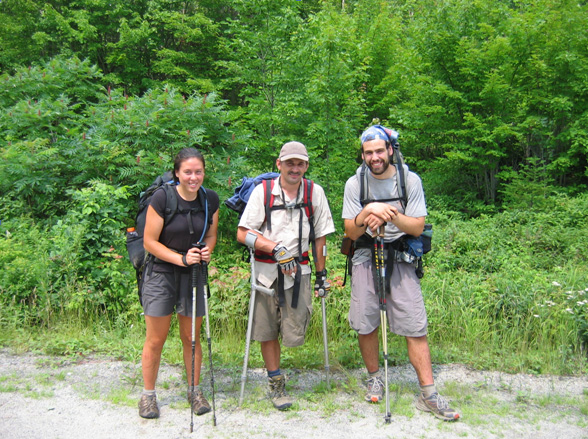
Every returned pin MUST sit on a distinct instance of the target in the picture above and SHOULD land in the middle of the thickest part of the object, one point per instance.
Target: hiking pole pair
(199, 282)
(380, 284)
(250, 239)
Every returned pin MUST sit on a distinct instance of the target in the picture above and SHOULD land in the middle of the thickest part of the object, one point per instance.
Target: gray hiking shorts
(405, 307)
(269, 320)
(162, 293)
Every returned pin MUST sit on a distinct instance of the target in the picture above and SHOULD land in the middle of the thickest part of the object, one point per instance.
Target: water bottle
(135, 248)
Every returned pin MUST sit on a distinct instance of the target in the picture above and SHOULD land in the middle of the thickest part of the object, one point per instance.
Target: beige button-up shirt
(285, 226)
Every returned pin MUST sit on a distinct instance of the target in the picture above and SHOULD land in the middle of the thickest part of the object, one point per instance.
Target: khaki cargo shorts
(405, 307)
(269, 320)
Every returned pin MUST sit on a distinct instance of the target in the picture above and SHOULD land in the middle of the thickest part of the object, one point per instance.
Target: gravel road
(51, 398)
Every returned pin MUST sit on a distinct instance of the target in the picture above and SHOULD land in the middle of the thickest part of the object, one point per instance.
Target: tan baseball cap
(293, 150)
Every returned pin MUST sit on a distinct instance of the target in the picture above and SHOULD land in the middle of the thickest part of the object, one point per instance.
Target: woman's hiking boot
(148, 406)
(437, 405)
(277, 393)
(199, 403)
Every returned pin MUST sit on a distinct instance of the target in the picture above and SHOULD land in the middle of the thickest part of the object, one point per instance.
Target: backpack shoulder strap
(401, 184)
(307, 197)
(268, 203)
(171, 202)
(363, 185)
(308, 207)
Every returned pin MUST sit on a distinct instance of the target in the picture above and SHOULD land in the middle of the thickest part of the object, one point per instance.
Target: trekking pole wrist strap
(184, 261)
(322, 273)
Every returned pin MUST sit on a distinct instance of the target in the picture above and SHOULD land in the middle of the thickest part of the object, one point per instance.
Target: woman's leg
(157, 330)
(186, 337)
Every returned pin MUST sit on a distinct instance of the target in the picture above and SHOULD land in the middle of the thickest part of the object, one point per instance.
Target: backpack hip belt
(269, 259)
(394, 251)
(302, 260)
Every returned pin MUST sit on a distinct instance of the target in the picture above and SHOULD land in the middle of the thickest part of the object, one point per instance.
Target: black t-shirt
(176, 233)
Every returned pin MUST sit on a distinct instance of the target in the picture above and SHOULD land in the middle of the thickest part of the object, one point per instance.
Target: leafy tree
(489, 89)
(137, 45)
(171, 42)
(62, 130)
(18, 42)
(333, 107)
(261, 41)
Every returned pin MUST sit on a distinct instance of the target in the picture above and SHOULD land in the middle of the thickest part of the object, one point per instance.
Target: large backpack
(242, 193)
(238, 202)
(418, 245)
(305, 205)
(397, 162)
(239, 199)
(137, 254)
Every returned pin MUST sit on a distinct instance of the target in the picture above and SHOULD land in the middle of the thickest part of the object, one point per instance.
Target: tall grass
(506, 292)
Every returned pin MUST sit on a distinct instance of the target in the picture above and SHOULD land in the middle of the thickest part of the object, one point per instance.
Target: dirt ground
(55, 398)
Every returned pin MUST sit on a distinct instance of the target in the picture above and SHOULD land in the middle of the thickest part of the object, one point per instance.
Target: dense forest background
(490, 99)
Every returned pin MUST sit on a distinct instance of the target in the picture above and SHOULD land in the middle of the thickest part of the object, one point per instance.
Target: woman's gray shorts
(162, 293)
(405, 307)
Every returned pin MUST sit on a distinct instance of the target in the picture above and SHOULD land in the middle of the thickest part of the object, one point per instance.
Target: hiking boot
(278, 394)
(148, 406)
(437, 405)
(199, 403)
(375, 389)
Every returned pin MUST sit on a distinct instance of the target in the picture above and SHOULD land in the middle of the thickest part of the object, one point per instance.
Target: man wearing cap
(405, 307)
(282, 262)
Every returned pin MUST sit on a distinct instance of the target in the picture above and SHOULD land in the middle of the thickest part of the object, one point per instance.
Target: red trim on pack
(269, 259)
(307, 197)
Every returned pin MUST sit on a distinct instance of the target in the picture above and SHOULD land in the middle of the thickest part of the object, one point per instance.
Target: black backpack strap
(401, 183)
(363, 185)
(308, 206)
(400, 186)
(171, 202)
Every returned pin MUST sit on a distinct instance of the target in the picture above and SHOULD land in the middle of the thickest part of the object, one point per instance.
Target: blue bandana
(379, 132)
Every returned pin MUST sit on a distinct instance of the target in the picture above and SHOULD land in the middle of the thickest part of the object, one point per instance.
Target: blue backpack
(242, 193)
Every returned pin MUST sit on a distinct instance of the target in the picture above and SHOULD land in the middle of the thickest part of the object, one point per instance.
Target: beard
(380, 170)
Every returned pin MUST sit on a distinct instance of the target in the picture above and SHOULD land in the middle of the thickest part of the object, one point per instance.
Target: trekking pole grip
(199, 245)
(194, 273)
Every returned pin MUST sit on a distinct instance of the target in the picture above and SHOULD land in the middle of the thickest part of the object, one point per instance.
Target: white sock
(428, 390)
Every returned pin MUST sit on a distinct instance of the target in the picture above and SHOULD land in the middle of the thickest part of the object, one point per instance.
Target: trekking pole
(321, 294)
(195, 276)
(206, 292)
(250, 242)
(381, 288)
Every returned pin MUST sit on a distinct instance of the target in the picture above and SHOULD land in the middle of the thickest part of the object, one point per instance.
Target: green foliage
(489, 98)
(483, 86)
(136, 44)
(514, 282)
(75, 264)
(529, 188)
